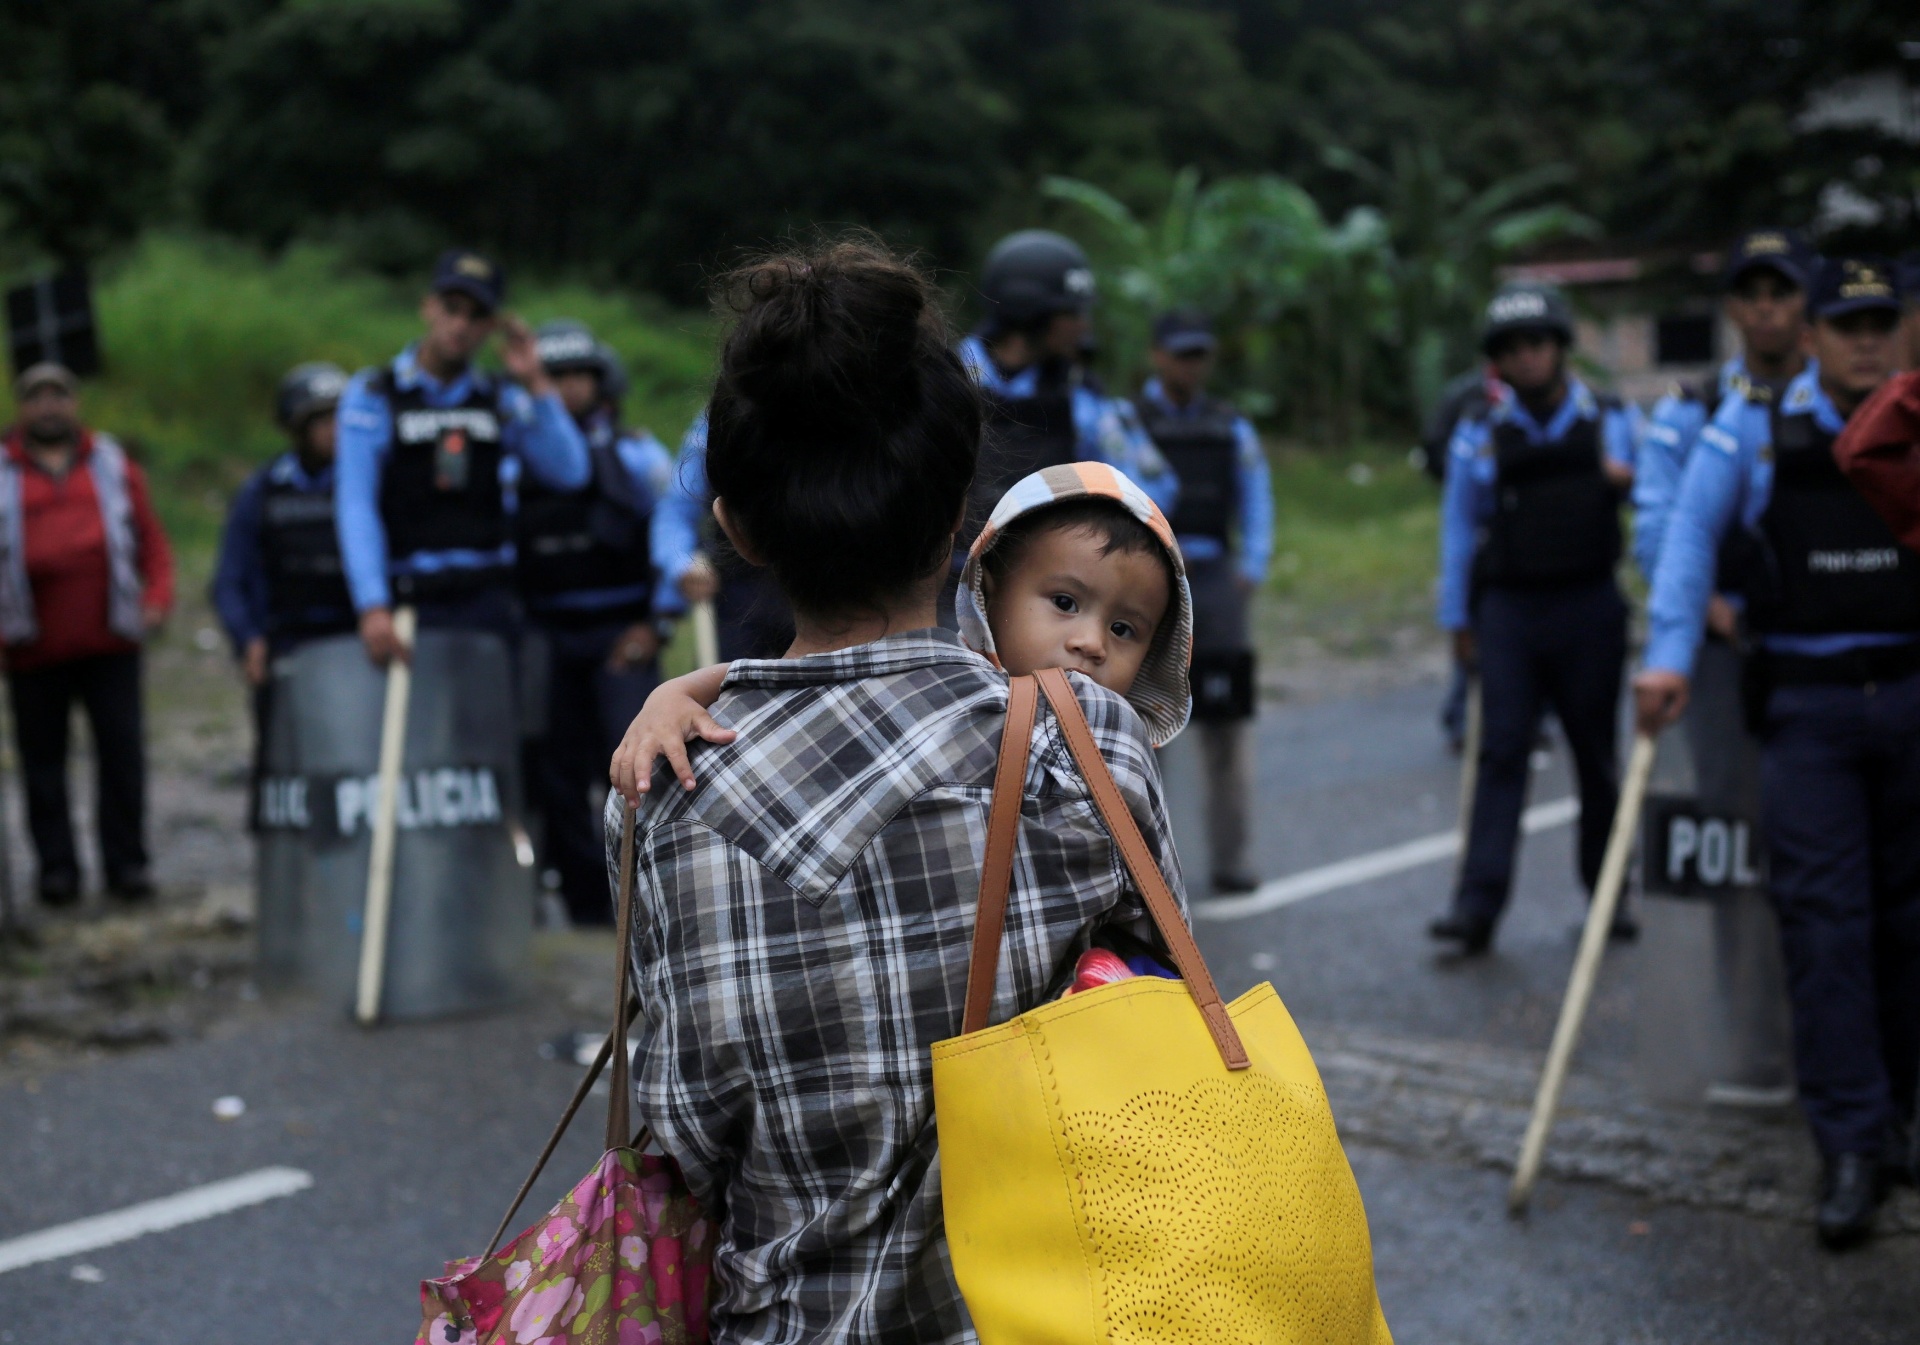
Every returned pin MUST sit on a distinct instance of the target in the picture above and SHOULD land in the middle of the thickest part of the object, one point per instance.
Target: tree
(1305, 303)
(94, 96)
(1447, 239)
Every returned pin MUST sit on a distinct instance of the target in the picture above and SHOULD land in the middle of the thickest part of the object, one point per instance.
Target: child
(1075, 569)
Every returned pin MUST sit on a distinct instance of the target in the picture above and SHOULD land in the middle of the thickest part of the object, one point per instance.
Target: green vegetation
(196, 336)
(1323, 321)
(1356, 543)
(642, 139)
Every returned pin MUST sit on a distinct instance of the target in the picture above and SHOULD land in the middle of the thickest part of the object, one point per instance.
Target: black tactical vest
(306, 587)
(440, 490)
(1556, 517)
(1832, 566)
(576, 541)
(1023, 435)
(1204, 452)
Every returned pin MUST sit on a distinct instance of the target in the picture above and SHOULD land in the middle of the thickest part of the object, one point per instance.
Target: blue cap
(460, 271)
(1853, 285)
(1782, 251)
(1184, 331)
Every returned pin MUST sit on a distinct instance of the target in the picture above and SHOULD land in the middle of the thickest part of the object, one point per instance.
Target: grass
(196, 335)
(1356, 545)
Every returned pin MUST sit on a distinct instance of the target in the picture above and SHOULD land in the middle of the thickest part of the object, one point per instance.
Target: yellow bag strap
(1140, 863)
(1003, 835)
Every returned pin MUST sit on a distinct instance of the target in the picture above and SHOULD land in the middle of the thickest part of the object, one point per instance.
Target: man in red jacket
(85, 575)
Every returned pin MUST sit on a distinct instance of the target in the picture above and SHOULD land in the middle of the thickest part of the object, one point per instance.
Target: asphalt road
(415, 1136)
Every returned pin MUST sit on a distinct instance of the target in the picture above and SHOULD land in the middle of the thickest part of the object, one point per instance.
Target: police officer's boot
(1849, 1194)
(1475, 936)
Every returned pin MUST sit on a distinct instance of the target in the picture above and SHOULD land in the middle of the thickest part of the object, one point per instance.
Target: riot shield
(462, 913)
(1713, 1017)
(280, 845)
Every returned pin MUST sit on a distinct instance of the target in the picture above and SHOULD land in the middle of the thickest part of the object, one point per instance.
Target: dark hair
(1117, 527)
(843, 429)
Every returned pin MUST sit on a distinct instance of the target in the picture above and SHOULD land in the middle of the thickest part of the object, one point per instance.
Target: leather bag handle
(1140, 863)
(613, 1049)
(1003, 837)
(1003, 834)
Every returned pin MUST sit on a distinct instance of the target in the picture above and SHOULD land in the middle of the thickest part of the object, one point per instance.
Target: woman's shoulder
(1125, 742)
(820, 768)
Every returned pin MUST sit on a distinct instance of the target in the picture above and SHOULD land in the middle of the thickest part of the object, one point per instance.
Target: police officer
(586, 578)
(1530, 537)
(1043, 408)
(419, 494)
(1766, 282)
(278, 581)
(1224, 524)
(696, 564)
(1834, 606)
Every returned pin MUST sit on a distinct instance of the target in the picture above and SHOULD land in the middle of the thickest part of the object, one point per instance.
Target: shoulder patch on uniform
(1799, 397)
(1718, 438)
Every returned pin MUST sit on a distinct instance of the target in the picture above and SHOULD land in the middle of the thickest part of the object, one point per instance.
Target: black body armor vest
(1204, 452)
(1832, 566)
(441, 489)
(575, 541)
(1023, 435)
(306, 586)
(1556, 517)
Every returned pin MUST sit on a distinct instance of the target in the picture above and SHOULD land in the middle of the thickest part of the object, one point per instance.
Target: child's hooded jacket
(1160, 694)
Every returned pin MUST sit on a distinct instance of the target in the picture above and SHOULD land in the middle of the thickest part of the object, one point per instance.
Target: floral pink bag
(625, 1259)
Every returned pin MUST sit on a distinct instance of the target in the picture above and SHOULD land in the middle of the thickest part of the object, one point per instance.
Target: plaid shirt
(801, 930)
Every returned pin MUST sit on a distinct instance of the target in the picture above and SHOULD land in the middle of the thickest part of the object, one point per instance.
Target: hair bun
(843, 430)
(826, 344)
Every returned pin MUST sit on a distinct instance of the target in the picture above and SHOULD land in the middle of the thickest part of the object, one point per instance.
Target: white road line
(152, 1216)
(1271, 896)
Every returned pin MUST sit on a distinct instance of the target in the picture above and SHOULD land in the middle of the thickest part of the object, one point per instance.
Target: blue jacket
(650, 468)
(678, 518)
(1672, 428)
(239, 588)
(1473, 475)
(1728, 483)
(1108, 429)
(1254, 539)
(538, 431)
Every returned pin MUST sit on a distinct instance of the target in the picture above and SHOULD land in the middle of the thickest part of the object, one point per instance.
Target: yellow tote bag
(1139, 1162)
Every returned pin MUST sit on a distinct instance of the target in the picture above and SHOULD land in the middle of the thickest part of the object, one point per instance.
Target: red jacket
(1880, 453)
(66, 553)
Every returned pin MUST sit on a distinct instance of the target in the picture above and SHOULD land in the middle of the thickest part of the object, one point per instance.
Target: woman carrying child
(802, 915)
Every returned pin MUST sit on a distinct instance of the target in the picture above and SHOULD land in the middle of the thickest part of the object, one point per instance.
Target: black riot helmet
(1032, 275)
(307, 391)
(566, 346)
(1527, 306)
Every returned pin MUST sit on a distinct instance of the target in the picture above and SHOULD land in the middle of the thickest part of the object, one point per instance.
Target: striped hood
(1160, 694)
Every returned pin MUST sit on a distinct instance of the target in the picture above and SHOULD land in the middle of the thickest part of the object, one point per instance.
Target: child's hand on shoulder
(674, 715)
